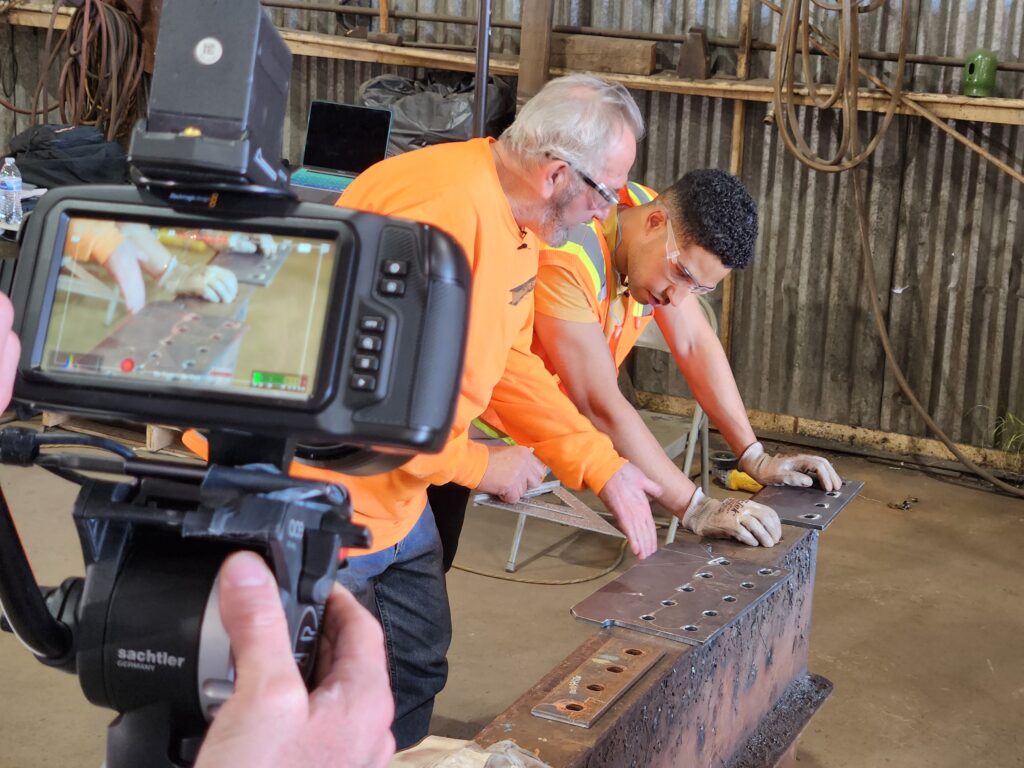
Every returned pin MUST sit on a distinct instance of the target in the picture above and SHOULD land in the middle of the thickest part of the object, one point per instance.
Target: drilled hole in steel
(765, 571)
(747, 584)
(203, 350)
(614, 669)
(810, 516)
(710, 613)
(574, 707)
(167, 342)
(833, 494)
(720, 561)
(821, 505)
(647, 617)
(845, 482)
(729, 599)
(685, 588)
(705, 575)
(634, 652)
(154, 355)
(668, 603)
(595, 687)
(690, 628)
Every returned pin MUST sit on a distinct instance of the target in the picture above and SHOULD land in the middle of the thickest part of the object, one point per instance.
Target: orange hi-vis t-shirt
(578, 282)
(90, 240)
(455, 188)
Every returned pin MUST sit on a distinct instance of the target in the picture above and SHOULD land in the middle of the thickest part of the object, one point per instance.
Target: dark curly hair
(714, 210)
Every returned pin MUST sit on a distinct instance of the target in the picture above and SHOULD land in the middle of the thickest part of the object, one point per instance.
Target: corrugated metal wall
(948, 248)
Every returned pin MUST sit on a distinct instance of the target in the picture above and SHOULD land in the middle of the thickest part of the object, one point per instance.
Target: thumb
(250, 608)
(651, 488)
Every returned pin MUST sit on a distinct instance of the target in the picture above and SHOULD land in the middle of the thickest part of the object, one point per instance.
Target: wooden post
(739, 115)
(384, 16)
(534, 47)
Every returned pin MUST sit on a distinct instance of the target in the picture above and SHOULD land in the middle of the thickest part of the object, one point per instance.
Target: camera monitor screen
(212, 310)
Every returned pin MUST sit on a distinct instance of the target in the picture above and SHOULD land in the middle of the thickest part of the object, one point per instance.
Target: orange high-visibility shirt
(91, 240)
(455, 188)
(578, 282)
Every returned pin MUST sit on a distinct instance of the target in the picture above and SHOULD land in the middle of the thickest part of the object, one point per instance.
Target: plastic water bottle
(10, 193)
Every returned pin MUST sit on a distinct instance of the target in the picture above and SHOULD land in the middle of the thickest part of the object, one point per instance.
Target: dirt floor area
(918, 619)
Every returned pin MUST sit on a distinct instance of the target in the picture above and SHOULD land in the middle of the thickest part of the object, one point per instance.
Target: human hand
(210, 282)
(788, 470)
(271, 720)
(625, 495)
(10, 351)
(511, 471)
(741, 519)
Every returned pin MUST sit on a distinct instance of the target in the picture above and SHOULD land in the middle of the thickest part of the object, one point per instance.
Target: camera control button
(392, 287)
(395, 268)
(364, 382)
(371, 323)
(369, 343)
(366, 363)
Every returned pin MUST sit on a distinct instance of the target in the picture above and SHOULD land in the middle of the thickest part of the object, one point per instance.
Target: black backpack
(57, 155)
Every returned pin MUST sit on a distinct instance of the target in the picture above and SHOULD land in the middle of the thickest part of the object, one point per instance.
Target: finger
(769, 519)
(797, 479)
(753, 525)
(651, 488)
(834, 478)
(8, 367)
(250, 608)
(351, 632)
(742, 535)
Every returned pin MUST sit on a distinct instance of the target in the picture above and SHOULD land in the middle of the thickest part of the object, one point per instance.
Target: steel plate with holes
(680, 593)
(189, 343)
(808, 507)
(254, 268)
(589, 690)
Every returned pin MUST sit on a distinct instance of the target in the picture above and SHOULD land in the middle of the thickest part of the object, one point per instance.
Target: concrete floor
(918, 620)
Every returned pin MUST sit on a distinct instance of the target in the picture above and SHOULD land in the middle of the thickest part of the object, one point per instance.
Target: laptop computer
(342, 141)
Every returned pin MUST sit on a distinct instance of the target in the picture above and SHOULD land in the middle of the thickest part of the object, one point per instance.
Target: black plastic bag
(437, 110)
(57, 155)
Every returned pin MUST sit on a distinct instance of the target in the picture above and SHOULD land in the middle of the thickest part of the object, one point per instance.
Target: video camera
(287, 331)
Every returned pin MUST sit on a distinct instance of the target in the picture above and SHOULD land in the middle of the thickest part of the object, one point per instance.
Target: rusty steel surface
(699, 705)
(588, 691)
(681, 594)
(808, 507)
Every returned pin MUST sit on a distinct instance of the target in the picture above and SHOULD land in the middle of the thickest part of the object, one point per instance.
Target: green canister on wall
(980, 73)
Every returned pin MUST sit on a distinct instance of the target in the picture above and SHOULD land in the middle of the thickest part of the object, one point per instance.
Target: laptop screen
(345, 138)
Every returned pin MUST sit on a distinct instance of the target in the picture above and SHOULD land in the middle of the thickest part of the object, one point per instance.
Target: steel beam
(709, 704)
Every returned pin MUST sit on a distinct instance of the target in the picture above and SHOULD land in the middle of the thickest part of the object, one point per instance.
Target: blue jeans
(404, 587)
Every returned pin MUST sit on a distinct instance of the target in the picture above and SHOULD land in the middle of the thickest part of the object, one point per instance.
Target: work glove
(741, 519)
(215, 284)
(788, 470)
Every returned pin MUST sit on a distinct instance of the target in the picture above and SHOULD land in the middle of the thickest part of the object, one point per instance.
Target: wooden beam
(947, 106)
(534, 48)
(891, 443)
(603, 54)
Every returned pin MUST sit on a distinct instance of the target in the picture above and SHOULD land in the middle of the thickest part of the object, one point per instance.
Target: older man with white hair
(554, 168)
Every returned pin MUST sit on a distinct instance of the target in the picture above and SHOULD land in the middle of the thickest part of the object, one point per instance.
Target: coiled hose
(797, 27)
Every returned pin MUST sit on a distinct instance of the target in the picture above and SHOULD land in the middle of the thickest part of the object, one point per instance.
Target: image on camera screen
(206, 309)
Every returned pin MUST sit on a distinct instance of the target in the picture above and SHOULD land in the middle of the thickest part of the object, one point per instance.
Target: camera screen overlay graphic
(206, 309)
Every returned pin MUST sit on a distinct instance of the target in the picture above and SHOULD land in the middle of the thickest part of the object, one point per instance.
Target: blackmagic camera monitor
(277, 319)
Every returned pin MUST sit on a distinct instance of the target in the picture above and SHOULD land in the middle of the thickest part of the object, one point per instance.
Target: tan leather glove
(788, 470)
(215, 284)
(741, 519)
